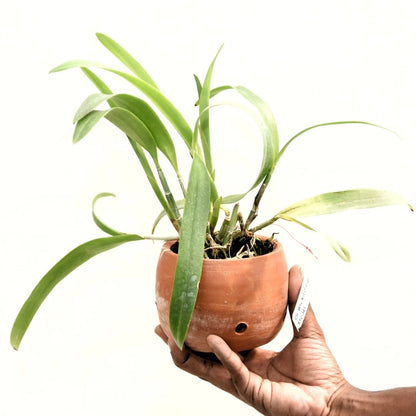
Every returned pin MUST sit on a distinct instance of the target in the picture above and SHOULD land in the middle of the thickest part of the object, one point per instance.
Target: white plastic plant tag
(302, 303)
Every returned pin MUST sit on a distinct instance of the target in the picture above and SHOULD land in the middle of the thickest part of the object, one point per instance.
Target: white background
(91, 348)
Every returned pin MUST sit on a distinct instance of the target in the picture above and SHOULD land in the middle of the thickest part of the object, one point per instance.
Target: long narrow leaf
(150, 119)
(151, 178)
(65, 266)
(78, 63)
(333, 202)
(90, 104)
(164, 105)
(97, 221)
(120, 53)
(338, 247)
(133, 127)
(198, 87)
(86, 124)
(97, 81)
(265, 120)
(191, 248)
(263, 117)
(104, 89)
(214, 91)
(333, 123)
(204, 115)
(268, 119)
(126, 121)
(180, 204)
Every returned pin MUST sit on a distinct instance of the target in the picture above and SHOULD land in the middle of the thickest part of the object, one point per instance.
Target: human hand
(302, 379)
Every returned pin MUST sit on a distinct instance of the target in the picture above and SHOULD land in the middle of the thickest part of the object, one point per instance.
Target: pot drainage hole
(240, 328)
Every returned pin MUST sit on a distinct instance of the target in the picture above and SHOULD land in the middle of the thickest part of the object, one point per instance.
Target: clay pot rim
(277, 247)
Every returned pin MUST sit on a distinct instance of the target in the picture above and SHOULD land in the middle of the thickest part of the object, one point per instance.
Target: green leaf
(338, 247)
(198, 87)
(120, 53)
(90, 120)
(142, 110)
(333, 123)
(268, 128)
(213, 219)
(214, 91)
(269, 121)
(97, 81)
(78, 63)
(151, 178)
(126, 121)
(86, 124)
(264, 118)
(133, 127)
(191, 250)
(180, 204)
(204, 96)
(228, 226)
(97, 221)
(65, 266)
(333, 202)
(89, 104)
(164, 105)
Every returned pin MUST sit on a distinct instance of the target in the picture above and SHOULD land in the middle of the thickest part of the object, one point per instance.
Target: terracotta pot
(242, 300)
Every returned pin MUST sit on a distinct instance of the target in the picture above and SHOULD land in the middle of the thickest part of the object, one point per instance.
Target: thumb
(310, 327)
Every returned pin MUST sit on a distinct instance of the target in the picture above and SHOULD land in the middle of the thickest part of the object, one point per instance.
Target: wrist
(351, 401)
(344, 401)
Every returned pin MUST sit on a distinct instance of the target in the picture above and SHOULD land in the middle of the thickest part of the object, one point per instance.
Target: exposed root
(241, 245)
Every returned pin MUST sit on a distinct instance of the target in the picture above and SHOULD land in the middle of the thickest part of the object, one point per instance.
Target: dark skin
(301, 380)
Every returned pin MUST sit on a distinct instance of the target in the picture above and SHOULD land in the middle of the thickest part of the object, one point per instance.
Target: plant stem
(213, 219)
(265, 224)
(182, 184)
(160, 238)
(153, 183)
(241, 222)
(176, 221)
(255, 208)
(227, 228)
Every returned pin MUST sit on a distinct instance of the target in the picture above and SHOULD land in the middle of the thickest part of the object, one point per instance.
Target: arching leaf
(153, 93)
(97, 221)
(337, 246)
(86, 124)
(63, 268)
(333, 123)
(120, 53)
(90, 104)
(142, 110)
(333, 202)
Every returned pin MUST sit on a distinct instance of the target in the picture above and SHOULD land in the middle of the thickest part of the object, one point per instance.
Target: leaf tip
(104, 39)
(344, 254)
(15, 340)
(54, 69)
(75, 139)
(179, 343)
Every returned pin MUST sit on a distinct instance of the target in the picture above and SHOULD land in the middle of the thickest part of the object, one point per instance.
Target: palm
(304, 373)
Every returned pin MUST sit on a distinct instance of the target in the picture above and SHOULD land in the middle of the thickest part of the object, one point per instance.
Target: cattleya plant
(198, 228)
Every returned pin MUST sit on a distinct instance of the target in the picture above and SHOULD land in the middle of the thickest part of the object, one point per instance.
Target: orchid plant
(207, 223)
